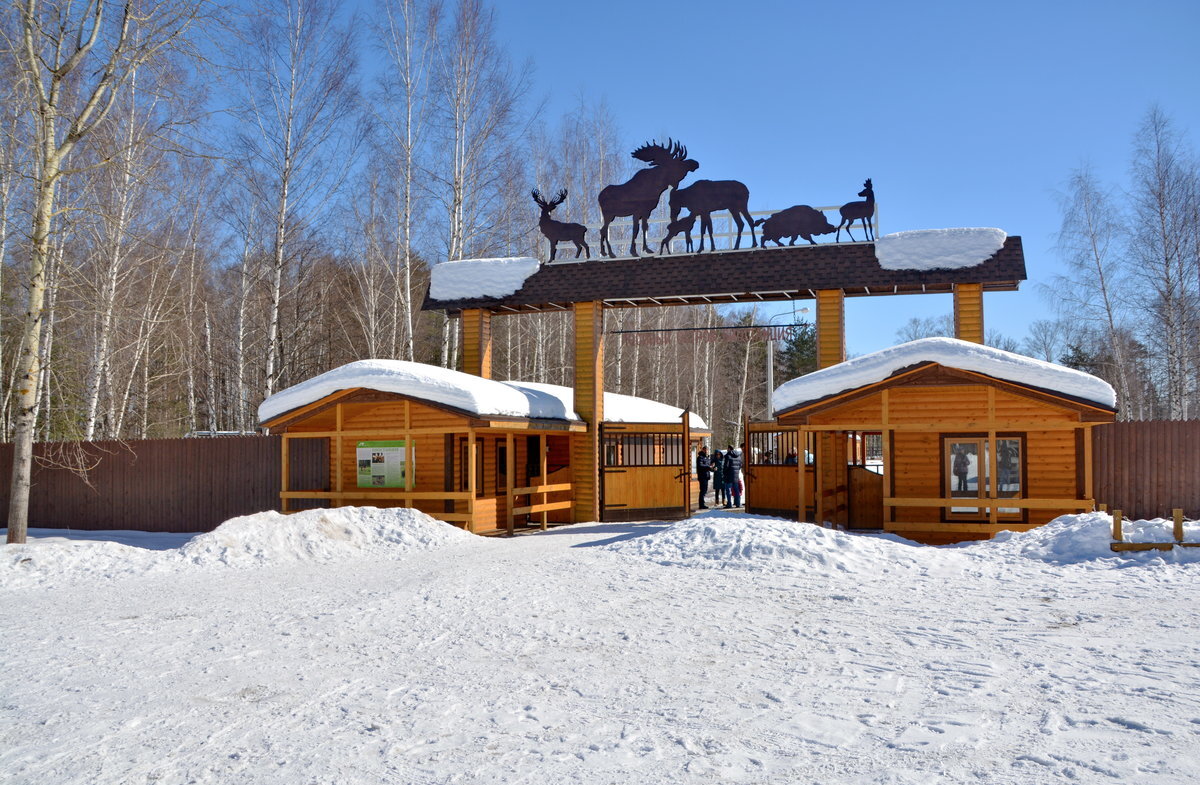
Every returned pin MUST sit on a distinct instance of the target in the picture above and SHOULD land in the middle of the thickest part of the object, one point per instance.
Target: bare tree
(1165, 244)
(74, 59)
(298, 88)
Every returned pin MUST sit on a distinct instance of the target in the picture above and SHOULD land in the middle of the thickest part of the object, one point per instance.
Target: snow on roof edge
(952, 353)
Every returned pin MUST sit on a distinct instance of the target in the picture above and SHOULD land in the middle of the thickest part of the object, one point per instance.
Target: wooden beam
(589, 405)
(339, 479)
(477, 342)
(511, 476)
(831, 327)
(889, 513)
(543, 467)
(285, 464)
(1022, 504)
(1088, 476)
(472, 478)
(968, 312)
(801, 449)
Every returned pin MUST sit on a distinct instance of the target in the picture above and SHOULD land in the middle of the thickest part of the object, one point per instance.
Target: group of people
(725, 471)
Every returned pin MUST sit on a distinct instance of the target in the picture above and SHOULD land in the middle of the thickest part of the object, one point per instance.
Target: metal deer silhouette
(705, 197)
(557, 231)
(639, 196)
(855, 211)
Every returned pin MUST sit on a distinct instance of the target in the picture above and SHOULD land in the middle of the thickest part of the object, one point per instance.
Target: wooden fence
(160, 485)
(1146, 469)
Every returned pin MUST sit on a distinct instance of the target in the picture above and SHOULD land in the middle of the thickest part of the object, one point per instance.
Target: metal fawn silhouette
(557, 231)
(684, 225)
(639, 196)
(855, 211)
(705, 197)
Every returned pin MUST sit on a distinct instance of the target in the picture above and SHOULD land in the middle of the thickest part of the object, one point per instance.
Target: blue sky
(963, 114)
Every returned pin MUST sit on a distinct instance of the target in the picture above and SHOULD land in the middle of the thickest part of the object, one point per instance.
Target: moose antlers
(655, 154)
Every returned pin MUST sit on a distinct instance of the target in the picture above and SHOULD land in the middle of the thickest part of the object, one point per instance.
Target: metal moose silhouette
(557, 231)
(705, 197)
(798, 221)
(638, 196)
(854, 211)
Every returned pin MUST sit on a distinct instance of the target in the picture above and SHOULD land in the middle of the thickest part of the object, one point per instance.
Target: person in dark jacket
(718, 478)
(703, 470)
(732, 470)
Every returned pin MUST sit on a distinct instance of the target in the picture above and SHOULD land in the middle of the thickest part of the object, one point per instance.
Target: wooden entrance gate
(646, 471)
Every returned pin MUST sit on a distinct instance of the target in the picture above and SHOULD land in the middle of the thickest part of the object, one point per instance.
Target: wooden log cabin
(485, 455)
(938, 440)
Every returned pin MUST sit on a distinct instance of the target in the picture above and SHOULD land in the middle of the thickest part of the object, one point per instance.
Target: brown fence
(1145, 469)
(161, 485)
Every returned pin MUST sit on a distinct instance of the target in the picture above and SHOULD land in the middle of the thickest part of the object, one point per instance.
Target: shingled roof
(758, 274)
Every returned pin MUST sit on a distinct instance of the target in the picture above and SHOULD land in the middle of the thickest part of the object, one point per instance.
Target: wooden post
(1177, 519)
(477, 342)
(410, 480)
(543, 466)
(472, 478)
(1088, 477)
(686, 459)
(339, 479)
(285, 463)
(801, 449)
(831, 327)
(885, 437)
(1117, 537)
(511, 477)
(589, 405)
(968, 312)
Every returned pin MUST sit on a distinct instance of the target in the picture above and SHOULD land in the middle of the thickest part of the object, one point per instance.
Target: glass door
(966, 473)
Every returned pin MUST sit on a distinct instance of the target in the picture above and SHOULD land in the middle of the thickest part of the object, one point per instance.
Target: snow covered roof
(471, 278)
(938, 249)
(951, 353)
(464, 391)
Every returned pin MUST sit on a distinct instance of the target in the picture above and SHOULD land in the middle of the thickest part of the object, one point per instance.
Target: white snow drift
(467, 279)
(951, 353)
(938, 249)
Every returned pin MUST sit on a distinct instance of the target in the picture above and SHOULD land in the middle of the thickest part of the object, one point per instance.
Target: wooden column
(510, 477)
(801, 449)
(339, 475)
(285, 467)
(477, 342)
(831, 327)
(968, 312)
(589, 405)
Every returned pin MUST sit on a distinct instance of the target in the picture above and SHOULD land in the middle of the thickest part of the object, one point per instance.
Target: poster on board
(382, 464)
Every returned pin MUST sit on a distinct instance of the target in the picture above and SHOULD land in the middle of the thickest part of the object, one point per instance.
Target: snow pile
(62, 561)
(467, 279)
(340, 534)
(1085, 539)
(948, 352)
(439, 385)
(771, 545)
(345, 534)
(617, 407)
(938, 249)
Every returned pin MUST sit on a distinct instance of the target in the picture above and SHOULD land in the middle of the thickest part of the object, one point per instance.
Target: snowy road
(725, 649)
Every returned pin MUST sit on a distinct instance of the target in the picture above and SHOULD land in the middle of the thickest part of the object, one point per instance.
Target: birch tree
(298, 137)
(74, 59)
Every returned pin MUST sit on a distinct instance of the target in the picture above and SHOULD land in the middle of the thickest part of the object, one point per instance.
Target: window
(643, 449)
(501, 466)
(464, 475)
(967, 469)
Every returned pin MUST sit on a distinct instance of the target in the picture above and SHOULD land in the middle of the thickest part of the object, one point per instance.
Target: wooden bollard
(1102, 507)
(1117, 537)
(1177, 518)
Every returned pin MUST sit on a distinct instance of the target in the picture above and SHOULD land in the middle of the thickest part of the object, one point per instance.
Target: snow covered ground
(368, 646)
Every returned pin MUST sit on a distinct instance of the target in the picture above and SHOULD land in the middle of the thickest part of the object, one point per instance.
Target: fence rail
(1148, 468)
(160, 485)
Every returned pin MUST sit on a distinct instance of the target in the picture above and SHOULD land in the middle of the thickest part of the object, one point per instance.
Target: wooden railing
(543, 507)
(1119, 544)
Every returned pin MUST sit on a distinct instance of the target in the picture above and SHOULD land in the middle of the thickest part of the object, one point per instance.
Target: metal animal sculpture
(557, 231)
(798, 221)
(639, 196)
(705, 197)
(855, 211)
(684, 225)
